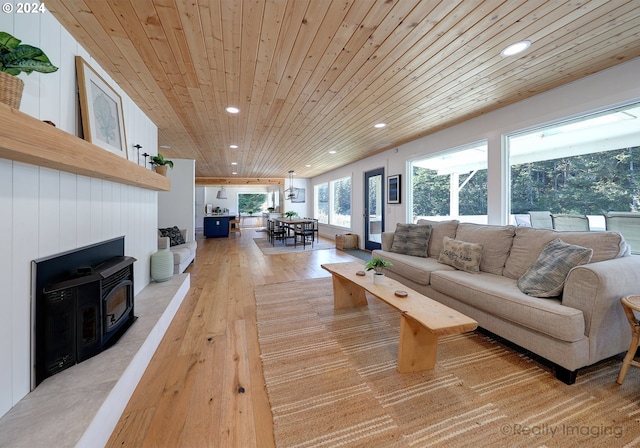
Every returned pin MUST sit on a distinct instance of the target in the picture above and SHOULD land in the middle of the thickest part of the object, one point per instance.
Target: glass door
(373, 208)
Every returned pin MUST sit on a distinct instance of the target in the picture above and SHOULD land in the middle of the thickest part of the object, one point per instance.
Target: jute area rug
(278, 248)
(332, 381)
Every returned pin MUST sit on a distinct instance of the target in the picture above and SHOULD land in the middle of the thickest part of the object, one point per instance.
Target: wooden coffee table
(422, 320)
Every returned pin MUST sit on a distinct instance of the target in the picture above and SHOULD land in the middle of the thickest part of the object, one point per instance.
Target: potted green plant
(16, 58)
(161, 164)
(377, 264)
(290, 214)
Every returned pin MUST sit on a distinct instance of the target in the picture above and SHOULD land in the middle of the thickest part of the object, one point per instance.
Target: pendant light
(292, 191)
(222, 193)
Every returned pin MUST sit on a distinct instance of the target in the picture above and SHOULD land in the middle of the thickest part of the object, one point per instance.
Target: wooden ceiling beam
(238, 181)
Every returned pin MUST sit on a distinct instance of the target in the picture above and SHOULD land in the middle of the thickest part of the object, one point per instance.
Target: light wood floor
(204, 386)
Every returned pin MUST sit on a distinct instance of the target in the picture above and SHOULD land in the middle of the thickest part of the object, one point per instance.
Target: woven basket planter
(347, 241)
(11, 90)
(161, 169)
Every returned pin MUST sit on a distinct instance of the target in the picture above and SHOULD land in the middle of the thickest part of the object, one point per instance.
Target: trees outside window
(251, 203)
(341, 202)
(321, 203)
(451, 184)
(586, 166)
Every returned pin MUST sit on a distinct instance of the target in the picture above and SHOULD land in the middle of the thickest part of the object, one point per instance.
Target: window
(451, 184)
(321, 203)
(585, 166)
(341, 199)
(250, 203)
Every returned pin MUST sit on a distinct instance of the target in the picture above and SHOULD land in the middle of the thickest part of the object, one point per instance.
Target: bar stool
(629, 304)
(234, 225)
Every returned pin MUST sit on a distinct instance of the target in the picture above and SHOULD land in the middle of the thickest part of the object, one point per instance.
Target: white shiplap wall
(44, 211)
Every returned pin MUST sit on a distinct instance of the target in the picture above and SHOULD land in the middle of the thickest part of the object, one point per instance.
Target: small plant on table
(377, 264)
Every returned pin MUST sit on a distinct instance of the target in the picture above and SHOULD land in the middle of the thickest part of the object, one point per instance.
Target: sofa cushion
(411, 239)
(546, 276)
(180, 255)
(500, 296)
(439, 229)
(175, 237)
(529, 242)
(497, 241)
(417, 269)
(461, 255)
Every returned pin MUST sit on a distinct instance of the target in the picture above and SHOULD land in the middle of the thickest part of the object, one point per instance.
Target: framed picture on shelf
(101, 110)
(393, 189)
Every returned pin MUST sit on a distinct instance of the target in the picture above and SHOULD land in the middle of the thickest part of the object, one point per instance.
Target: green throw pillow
(461, 255)
(411, 239)
(546, 276)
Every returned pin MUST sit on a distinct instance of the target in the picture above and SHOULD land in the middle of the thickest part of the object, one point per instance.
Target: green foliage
(251, 202)
(431, 193)
(585, 184)
(290, 214)
(160, 160)
(342, 197)
(16, 57)
(377, 264)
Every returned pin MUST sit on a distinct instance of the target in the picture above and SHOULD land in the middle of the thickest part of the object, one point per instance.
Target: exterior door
(373, 208)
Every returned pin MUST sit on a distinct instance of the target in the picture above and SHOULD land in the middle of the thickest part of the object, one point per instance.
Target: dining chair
(279, 233)
(304, 231)
(628, 225)
(570, 222)
(541, 219)
(270, 228)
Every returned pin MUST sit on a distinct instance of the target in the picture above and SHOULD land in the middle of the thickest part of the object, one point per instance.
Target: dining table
(291, 223)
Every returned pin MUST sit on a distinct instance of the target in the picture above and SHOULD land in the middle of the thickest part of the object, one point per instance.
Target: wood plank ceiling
(313, 76)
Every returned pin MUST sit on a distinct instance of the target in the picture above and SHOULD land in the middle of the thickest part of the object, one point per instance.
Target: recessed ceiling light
(308, 166)
(234, 163)
(332, 152)
(379, 125)
(232, 110)
(234, 172)
(165, 146)
(515, 48)
(233, 146)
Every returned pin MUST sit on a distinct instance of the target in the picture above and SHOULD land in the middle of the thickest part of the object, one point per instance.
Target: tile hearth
(81, 405)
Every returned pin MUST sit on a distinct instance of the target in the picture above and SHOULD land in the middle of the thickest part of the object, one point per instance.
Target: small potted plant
(16, 58)
(161, 164)
(290, 214)
(377, 264)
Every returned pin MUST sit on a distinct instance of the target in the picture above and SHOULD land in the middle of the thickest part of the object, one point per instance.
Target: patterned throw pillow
(546, 276)
(461, 255)
(175, 237)
(411, 239)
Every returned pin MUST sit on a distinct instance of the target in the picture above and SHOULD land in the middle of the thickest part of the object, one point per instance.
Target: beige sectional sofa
(582, 326)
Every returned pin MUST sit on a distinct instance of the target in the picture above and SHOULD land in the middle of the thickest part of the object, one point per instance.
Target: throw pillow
(461, 255)
(546, 276)
(175, 237)
(439, 229)
(411, 239)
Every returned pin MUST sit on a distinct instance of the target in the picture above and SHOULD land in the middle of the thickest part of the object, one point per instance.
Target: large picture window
(587, 166)
(321, 203)
(452, 184)
(341, 202)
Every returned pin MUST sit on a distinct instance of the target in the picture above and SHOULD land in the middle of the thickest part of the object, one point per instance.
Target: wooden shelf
(29, 140)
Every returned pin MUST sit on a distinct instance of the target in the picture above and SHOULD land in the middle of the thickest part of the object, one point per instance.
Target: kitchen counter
(216, 225)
